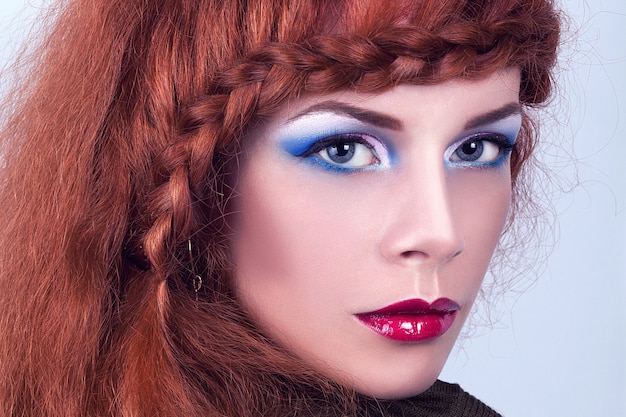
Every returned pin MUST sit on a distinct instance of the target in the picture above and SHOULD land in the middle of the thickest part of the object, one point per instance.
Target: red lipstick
(412, 320)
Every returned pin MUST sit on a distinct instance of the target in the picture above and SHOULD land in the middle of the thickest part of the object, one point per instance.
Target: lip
(413, 320)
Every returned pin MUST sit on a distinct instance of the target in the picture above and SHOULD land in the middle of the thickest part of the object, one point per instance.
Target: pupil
(343, 149)
(470, 148)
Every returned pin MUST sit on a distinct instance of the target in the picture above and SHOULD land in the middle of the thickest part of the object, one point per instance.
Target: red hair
(116, 160)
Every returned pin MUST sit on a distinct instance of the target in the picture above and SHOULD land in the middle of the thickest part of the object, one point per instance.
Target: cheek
(291, 234)
(488, 206)
(481, 202)
(303, 244)
(281, 223)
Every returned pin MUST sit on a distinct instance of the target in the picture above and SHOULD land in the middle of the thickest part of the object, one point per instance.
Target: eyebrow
(503, 112)
(390, 122)
(367, 116)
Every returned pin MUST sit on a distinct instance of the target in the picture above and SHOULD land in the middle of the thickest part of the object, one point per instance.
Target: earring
(197, 279)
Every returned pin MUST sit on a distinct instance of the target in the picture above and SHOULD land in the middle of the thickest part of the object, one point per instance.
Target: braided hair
(118, 150)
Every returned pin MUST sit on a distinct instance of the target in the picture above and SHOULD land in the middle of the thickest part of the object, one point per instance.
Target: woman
(260, 208)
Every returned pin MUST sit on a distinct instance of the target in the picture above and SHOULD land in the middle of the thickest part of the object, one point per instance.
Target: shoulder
(441, 400)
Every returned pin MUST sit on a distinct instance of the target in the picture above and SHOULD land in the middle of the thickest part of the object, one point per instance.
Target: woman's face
(365, 223)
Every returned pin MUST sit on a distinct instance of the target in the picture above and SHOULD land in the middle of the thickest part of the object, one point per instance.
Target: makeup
(392, 222)
(413, 320)
(488, 146)
(313, 137)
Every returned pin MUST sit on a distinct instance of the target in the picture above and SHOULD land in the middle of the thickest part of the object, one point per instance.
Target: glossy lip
(413, 320)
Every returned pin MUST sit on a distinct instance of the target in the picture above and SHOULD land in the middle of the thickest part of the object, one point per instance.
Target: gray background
(558, 349)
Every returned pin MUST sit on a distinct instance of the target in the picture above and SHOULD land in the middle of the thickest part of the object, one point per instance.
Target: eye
(483, 148)
(349, 154)
(344, 151)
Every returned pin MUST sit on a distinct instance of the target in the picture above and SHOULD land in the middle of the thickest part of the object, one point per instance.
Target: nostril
(442, 255)
(410, 254)
(457, 253)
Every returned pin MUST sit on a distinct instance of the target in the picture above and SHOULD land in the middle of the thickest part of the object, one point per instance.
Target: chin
(402, 376)
(395, 388)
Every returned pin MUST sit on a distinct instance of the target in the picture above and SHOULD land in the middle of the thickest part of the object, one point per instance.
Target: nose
(422, 228)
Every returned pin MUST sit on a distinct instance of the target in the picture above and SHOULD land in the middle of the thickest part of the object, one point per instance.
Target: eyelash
(323, 145)
(313, 153)
(504, 144)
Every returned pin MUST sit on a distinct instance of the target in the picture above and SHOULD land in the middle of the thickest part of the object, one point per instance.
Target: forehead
(455, 103)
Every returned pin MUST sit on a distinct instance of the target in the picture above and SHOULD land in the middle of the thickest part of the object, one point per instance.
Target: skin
(314, 245)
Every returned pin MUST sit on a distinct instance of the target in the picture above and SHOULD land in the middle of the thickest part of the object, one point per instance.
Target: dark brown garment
(440, 400)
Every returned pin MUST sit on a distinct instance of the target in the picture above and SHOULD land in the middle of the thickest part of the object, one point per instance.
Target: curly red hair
(116, 159)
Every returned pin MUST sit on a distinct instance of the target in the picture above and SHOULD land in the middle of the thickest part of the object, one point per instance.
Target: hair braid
(255, 87)
(397, 55)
